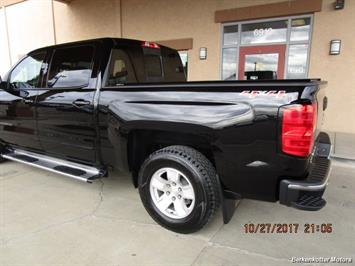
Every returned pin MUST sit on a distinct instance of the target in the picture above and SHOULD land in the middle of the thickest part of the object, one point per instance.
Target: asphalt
(47, 219)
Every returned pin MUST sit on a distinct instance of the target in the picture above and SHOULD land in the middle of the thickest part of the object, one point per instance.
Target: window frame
(50, 61)
(288, 42)
(40, 77)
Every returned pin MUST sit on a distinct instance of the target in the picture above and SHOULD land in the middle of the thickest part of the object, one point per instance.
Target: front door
(65, 106)
(17, 108)
(262, 62)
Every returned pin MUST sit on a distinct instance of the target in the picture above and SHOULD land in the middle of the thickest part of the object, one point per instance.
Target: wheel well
(141, 143)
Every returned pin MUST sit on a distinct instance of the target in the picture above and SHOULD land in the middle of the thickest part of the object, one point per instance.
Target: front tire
(179, 188)
(1, 158)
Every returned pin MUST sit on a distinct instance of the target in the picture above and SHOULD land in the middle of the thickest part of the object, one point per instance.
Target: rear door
(65, 106)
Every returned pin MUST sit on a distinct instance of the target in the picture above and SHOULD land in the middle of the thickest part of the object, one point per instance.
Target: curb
(343, 161)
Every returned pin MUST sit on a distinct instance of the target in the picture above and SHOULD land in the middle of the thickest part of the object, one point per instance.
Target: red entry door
(262, 58)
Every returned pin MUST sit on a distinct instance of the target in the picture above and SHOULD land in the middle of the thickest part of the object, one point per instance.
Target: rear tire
(179, 188)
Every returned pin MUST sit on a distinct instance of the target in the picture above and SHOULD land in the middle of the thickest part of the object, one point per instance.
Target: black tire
(200, 173)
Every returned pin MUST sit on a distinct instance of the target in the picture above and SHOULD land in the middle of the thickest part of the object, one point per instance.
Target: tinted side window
(121, 70)
(173, 68)
(71, 67)
(26, 74)
(153, 65)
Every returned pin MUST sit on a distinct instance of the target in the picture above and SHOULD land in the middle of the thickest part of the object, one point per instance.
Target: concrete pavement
(47, 219)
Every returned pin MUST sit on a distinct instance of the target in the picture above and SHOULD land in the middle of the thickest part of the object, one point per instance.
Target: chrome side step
(74, 170)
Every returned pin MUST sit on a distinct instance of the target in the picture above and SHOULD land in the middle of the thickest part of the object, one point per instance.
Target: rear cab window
(144, 63)
(162, 64)
(153, 64)
(121, 70)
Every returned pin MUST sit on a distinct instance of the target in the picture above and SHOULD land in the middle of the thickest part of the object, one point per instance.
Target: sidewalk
(343, 145)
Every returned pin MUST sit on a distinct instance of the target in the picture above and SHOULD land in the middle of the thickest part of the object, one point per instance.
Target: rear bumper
(307, 194)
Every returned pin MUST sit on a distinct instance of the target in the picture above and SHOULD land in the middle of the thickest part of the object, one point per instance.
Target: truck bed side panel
(241, 123)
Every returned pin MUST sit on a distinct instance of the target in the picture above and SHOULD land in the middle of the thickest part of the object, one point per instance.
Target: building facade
(290, 38)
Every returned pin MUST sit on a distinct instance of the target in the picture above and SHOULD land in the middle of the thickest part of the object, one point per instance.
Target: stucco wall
(4, 48)
(30, 26)
(87, 19)
(338, 70)
(169, 19)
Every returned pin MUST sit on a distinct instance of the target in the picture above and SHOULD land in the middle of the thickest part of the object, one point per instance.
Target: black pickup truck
(79, 109)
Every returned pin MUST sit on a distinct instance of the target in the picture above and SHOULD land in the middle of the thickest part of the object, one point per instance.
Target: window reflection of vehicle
(67, 77)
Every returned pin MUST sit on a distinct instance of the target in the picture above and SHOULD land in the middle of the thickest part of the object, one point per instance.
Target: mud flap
(228, 208)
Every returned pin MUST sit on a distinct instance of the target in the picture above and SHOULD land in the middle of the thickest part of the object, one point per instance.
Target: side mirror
(2, 84)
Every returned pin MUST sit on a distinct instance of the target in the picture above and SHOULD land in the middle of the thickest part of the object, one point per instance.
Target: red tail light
(298, 127)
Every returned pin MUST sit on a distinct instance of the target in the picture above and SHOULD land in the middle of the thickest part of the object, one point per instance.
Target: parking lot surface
(47, 219)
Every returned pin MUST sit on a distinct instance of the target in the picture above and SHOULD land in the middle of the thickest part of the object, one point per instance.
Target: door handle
(80, 103)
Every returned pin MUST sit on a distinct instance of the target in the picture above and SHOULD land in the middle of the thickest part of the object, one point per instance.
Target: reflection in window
(261, 62)
(300, 29)
(71, 67)
(230, 35)
(229, 63)
(264, 32)
(26, 74)
(297, 61)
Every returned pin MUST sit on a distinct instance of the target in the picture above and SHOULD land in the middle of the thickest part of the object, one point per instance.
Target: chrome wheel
(172, 193)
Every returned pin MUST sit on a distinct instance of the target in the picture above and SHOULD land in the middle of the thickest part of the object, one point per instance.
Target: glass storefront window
(290, 36)
(300, 28)
(297, 61)
(229, 63)
(264, 32)
(230, 35)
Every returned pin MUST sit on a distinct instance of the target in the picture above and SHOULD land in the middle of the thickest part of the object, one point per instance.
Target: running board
(74, 170)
